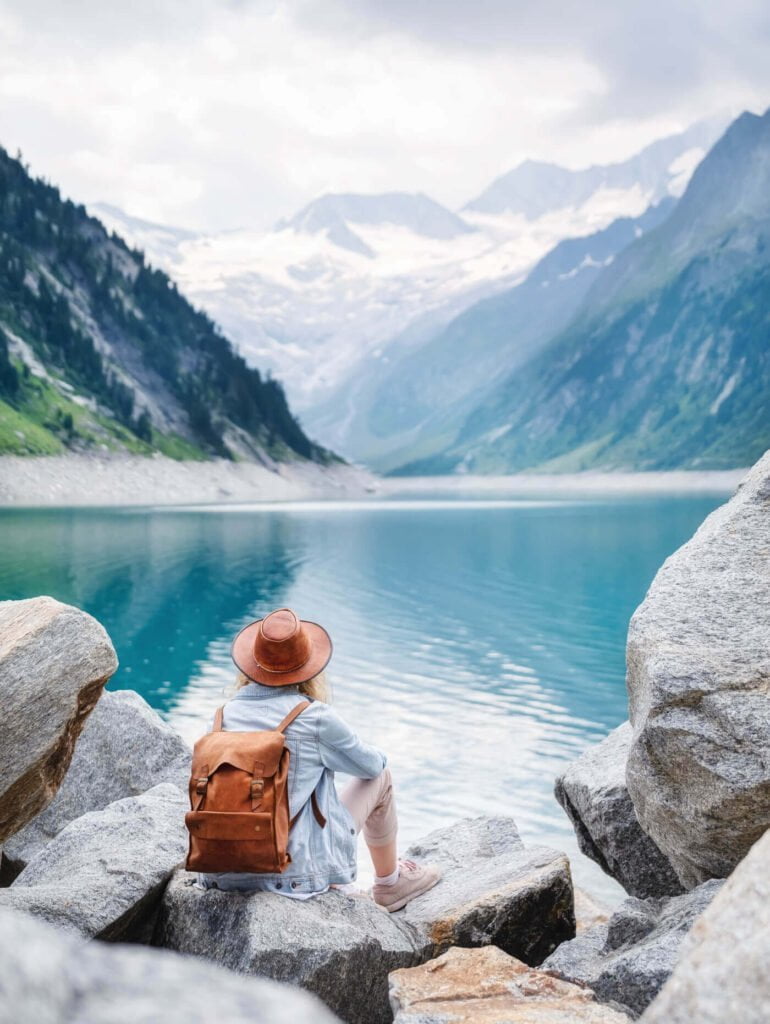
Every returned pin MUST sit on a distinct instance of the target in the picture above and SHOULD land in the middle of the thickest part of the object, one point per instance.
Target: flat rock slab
(125, 749)
(628, 960)
(723, 974)
(104, 874)
(54, 662)
(698, 681)
(593, 792)
(48, 977)
(486, 986)
(342, 947)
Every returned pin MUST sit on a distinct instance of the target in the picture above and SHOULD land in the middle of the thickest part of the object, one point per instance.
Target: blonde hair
(316, 688)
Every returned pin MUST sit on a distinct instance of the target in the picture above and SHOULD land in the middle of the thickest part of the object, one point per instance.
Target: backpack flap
(238, 749)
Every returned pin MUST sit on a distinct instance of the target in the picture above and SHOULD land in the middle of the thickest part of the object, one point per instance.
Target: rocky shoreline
(119, 480)
(99, 922)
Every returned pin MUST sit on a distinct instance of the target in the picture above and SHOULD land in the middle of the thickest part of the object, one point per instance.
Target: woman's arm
(342, 751)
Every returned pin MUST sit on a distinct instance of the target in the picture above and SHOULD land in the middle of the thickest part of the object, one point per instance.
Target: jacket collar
(256, 691)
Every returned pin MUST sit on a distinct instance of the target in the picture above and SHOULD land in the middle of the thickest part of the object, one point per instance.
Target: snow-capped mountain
(323, 294)
(663, 168)
(333, 214)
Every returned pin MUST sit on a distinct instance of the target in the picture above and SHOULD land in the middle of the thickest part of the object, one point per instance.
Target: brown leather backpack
(240, 802)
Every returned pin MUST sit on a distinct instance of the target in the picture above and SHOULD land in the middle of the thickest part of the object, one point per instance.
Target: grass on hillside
(45, 421)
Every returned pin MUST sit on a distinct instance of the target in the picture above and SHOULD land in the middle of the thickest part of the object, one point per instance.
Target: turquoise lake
(480, 643)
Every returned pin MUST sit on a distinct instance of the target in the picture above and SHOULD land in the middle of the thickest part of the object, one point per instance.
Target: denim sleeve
(342, 751)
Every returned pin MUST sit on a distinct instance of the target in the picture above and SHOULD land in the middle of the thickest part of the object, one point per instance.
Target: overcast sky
(224, 113)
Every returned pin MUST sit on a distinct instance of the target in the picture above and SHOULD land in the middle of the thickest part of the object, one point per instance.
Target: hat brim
(242, 653)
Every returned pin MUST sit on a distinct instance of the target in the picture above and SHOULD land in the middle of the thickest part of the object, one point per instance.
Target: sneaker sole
(391, 908)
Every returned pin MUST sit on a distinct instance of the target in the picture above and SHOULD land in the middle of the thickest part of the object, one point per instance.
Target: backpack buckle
(257, 789)
(200, 787)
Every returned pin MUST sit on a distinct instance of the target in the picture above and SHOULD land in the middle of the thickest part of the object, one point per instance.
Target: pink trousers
(372, 806)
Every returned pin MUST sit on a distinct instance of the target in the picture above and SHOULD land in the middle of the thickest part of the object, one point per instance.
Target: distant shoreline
(65, 481)
(723, 481)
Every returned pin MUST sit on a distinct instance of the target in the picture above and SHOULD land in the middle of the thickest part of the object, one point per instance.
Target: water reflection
(164, 586)
(481, 644)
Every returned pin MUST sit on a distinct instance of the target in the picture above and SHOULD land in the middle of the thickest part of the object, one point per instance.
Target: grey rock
(722, 974)
(342, 947)
(698, 671)
(593, 792)
(494, 891)
(125, 749)
(48, 977)
(339, 947)
(104, 874)
(628, 960)
(54, 662)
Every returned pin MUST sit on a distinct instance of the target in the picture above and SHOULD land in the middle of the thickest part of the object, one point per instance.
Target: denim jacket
(320, 743)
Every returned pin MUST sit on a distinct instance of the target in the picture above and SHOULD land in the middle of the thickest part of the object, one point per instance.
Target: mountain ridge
(99, 350)
(667, 363)
(521, 190)
(423, 394)
(335, 211)
(316, 313)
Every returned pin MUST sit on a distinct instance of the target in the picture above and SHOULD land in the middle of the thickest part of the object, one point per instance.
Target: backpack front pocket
(233, 841)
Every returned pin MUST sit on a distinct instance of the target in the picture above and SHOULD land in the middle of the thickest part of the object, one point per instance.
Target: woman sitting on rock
(281, 660)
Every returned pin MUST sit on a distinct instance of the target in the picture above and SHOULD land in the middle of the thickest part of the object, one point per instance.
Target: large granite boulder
(54, 662)
(48, 977)
(494, 890)
(628, 960)
(125, 749)
(723, 973)
(487, 986)
(342, 947)
(337, 946)
(698, 670)
(593, 792)
(104, 874)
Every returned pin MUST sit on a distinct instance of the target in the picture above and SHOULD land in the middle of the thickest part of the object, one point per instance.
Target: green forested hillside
(99, 350)
(668, 362)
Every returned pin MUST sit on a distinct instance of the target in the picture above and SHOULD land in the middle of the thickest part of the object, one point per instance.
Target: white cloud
(220, 114)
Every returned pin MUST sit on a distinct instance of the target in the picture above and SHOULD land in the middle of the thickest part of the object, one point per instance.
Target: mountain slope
(407, 406)
(668, 362)
(97, 348)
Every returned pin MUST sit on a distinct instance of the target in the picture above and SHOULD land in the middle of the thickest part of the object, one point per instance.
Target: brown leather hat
(281, 649)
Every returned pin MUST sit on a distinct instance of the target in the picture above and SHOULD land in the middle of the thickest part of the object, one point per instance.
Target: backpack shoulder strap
(218, 719)
(294, 713)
